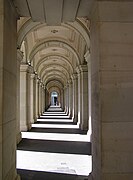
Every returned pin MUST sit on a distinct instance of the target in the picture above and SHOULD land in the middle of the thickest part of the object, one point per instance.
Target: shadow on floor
(52, 122)
(38, 175)
(58, 130)
(68, 147)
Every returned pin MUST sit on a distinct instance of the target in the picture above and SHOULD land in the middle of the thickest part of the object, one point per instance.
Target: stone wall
(112, 87)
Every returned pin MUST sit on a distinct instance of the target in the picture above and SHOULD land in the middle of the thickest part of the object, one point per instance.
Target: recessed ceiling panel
(84, 9)
(53, 11)
(70, 8)
(22, 7)
(37, 10)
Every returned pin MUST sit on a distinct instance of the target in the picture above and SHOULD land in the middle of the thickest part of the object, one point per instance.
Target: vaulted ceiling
(54, 36)
(53, 12)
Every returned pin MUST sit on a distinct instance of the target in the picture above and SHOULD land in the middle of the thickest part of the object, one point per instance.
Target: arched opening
(60, 87)
(54, 99)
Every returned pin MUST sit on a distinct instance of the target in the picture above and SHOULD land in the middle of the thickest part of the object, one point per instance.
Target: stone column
(79, 96)
(112, 90)
(70, 97)
(75, 98)
(44, 98)
(31, 95)
(18, 133)
(83, 96)
(42, 106)
(8, 93)
(23, 98)
(47, 99)
(62, 99)
(40, 98)
(38, 92)
(35, 97)
(88, 60)
(67, 99)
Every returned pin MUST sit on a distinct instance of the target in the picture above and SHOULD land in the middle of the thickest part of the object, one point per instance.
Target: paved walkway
(54, 149)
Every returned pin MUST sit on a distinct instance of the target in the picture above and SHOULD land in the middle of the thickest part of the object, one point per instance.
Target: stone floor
(54, 149)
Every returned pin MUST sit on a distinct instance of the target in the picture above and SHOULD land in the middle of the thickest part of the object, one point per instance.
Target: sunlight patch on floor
(56, 136)
(55, 126)
(54, 120)
(55, 116)
(54, 162)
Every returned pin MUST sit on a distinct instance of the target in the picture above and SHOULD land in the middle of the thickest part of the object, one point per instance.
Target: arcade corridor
(76, 55)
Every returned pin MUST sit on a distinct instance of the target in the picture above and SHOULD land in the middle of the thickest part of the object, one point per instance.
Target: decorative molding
(82, 68)
(30, 70)
(87, 57)
(23, 67)
(74, 76)
(20, 55)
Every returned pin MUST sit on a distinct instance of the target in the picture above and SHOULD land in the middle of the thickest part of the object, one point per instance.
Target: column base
(83, 127)
(29, 126)
(90, 177)
(19, 137)
(18, 177)
(32, 121)
(35, 119)
(75, 120)
(24, 127)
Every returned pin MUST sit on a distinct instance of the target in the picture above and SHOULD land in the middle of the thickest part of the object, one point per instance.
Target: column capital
(38, 80)
(41, 83)
(87, 56)
(66, 86)
(74, 76)
(69, 81)
(30, 70)
(32, 76)
(35, 77)
(23, 67)
(82, 68)
(44, 86)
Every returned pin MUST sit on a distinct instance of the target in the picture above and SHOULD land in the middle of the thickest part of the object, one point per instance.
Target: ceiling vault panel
(53, 12)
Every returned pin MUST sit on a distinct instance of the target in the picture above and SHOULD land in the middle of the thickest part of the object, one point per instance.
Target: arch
(52, 77)
(26, 28)
(48, 56)
(55, 81)
(51, 66)
(54, 73)
(45, 44)
(29, 26)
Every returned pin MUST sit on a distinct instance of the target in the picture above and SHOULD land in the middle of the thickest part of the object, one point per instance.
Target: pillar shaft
(62, 99)
(67, 99)
(18, 133)
(70, 98)
(112, 87)
(31, 96)
(23, 98)
(35, 98)
(88, 60)
(40, 98)
(43, 99)
(8, 93)
(83, 96)
(75, 98)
